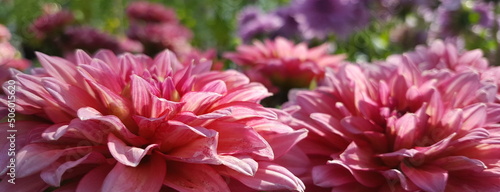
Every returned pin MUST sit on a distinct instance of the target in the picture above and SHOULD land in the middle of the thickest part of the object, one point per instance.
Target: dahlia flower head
(132, 123)
(446, 56)
(398, 127)
(281, 64)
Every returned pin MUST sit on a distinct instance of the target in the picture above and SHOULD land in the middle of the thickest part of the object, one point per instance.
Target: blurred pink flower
(88, 39)
(132, 123)
(150, 12)
(51, 24)
(395, 127)
(129, 45)
(4, 34)
(7, 52)
(158, 37)
(280, 64)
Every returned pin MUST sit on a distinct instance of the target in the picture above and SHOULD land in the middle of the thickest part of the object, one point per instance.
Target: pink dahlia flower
(132, 123)
(445, 56)
(395, 127)
(280, 64)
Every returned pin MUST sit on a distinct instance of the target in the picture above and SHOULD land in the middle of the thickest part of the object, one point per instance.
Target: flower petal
(130, 156)
(93, 180)
(194, 178)
(269, 176)
(147, 176)
(54, 173)
(429, 178)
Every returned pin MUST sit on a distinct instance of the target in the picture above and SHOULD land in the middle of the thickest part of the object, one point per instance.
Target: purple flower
(486, 14)
(253, 21)
(318, 18)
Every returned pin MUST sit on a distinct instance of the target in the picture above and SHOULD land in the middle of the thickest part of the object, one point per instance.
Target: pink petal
(101, 73)
(35, 157)
(198, 150)
(269, 176)
(368, 178)
(194, 178)
(394, 176)
(474, 116)
(430, 178)
(64, 95)
(360, 158)
(54, 173)
(176, 134)
(454, 163)
(141, 92)
(147, 176)
(59, 68)
(163, 63)
(108, 57)
(237, 138)
(244, 165)
(243, 109)
(217, 86)
(31, 183)
(130, 156)
(199, 102)
(331, 175)
(406, 131)
(93, 180)
(252, 92)
(106, 124)
(82, 57)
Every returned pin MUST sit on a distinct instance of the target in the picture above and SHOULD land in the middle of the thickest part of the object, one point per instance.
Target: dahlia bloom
(280, 64)
(395, 127)
(446, 56)
(132, 123)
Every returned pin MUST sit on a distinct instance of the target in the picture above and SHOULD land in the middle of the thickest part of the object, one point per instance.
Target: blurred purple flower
(253, 21)
(150, 12)
(88, 39)
(290, 27)
(451, 4)
(318, 18)
(486, 13)
(50, 24)
(408, 37)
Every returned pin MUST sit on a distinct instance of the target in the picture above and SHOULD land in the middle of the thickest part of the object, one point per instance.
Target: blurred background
(364, 30)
